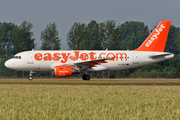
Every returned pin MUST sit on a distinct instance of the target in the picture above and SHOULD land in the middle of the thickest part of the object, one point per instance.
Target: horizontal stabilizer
(160, 56)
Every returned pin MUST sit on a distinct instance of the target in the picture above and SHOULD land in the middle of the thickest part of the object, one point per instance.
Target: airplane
(68, 62)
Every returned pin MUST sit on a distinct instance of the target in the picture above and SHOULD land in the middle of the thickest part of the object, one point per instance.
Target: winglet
(156, 41)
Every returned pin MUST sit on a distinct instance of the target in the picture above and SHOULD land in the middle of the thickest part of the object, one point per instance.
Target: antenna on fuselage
(106, 49)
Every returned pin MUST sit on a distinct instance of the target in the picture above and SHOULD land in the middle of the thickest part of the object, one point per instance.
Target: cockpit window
(16, 57)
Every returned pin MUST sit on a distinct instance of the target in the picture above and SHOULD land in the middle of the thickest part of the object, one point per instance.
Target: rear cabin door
(135, 58)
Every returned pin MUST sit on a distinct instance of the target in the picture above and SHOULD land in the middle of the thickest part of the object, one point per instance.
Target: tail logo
(157, 32)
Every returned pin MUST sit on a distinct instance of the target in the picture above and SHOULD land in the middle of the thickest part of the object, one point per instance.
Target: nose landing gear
(30, 78)
(31, 75)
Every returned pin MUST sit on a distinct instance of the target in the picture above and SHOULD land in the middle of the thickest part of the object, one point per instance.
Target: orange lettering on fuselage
(112, 58)
(121, 54)
(63, 57)
(47, 57)
(74, 58)
(92, 55)
(101, 54)
(38, 56)
(56, 56)
(84, 56)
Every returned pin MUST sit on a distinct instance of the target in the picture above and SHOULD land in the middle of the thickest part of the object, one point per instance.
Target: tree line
(92, 36)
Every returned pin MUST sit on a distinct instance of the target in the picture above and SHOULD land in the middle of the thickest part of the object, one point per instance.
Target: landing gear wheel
(86, 77)
(30, 78)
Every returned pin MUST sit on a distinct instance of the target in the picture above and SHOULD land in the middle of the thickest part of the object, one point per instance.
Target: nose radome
(7, 64)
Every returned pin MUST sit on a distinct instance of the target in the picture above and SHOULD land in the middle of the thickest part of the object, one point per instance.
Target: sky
(66, 12)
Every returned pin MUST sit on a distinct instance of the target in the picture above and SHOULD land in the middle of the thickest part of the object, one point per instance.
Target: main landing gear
(30, 75)
(86, 77)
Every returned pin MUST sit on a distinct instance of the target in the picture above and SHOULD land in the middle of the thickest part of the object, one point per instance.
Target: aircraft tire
(30, 78)
(86, 77)
(83, 77)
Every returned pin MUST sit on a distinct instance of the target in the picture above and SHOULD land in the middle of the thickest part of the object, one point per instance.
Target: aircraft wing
(92, 63)
(83, 64)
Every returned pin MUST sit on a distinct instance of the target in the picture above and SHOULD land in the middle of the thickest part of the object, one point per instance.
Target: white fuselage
(66, 63)
(117, 60)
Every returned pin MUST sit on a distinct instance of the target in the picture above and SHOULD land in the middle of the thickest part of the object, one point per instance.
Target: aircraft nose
(11, 64)
(7, 64)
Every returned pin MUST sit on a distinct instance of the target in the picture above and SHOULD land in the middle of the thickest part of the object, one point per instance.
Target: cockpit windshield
(16, 57)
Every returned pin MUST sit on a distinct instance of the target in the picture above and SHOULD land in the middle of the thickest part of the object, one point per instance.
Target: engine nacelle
(64, 71)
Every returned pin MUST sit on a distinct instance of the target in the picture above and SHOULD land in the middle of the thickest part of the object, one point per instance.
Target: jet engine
(64, 71)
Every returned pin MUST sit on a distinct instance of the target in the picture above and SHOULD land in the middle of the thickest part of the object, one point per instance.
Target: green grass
(89, 102)
(91, 82)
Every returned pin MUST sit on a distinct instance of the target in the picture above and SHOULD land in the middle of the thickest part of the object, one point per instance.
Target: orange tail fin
(156, 41)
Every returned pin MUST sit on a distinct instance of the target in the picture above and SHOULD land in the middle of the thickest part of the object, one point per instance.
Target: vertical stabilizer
(156, 41)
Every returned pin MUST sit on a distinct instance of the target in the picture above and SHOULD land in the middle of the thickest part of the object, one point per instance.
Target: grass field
(93, 81)
(89, 102)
